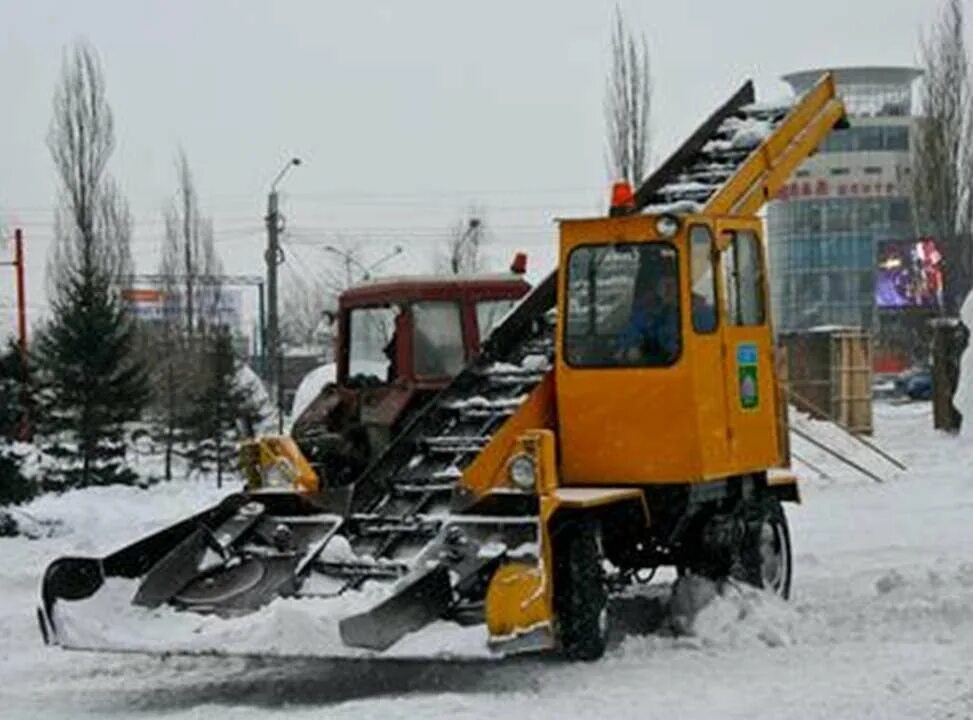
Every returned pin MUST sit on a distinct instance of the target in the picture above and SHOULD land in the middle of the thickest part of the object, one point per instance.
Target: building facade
(833, 225)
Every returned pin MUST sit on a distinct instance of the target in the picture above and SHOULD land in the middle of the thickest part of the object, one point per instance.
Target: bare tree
(942, 156)
(305, 305)
(628, 103)
(189, 258)
(463, 250)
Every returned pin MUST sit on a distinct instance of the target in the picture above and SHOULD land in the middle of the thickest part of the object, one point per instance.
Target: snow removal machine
(624, 415)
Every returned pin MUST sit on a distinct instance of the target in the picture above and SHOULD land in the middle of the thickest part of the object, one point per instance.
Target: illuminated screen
(909, 275)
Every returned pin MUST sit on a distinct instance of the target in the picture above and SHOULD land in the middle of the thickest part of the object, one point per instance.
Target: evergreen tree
(92, 382)
(14, 487)
(223, 411)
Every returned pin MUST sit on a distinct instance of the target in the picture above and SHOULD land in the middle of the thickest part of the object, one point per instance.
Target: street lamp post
(273, 259)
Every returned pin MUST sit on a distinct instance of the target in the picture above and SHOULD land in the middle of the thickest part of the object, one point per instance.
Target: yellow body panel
(277, 457)
(517, 600)
(489, 470)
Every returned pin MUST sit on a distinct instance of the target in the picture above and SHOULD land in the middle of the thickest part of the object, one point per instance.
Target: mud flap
(423, 600)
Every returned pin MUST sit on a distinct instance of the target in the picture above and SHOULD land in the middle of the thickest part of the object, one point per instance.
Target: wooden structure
(829, 371)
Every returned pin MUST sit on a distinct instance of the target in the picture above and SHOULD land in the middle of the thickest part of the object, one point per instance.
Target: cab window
(489, 313)
(371, 350)
(438, 340)
(743, 279)
(623, 306)
(703, 297)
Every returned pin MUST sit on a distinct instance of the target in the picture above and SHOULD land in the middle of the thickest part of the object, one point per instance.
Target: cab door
(748, 361)
(706, 339)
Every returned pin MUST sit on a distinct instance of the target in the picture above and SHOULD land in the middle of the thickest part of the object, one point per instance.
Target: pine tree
(14, 487)
(91, 380)
(223, 411)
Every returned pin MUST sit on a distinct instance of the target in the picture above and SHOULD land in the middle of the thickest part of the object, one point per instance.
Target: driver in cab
(651, 335)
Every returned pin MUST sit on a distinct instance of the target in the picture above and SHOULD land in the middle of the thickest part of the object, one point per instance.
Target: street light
(283, 171)
(273, 259)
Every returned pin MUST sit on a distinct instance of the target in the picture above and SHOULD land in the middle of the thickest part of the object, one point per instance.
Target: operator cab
(419, 330)
(665, 369)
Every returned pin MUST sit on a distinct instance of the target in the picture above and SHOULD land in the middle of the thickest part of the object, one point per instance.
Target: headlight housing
(667, 225)
(523, 471)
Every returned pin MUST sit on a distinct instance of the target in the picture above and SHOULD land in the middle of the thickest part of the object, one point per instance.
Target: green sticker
(747, 376)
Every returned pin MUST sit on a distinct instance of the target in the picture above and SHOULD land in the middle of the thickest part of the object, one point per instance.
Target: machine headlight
(523, 471)
(279, 475)
(667, 225)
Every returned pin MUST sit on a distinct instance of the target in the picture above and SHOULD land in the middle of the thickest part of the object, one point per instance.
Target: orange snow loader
(623, 416)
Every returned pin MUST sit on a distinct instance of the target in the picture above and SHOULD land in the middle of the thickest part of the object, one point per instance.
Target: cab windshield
(623, 306)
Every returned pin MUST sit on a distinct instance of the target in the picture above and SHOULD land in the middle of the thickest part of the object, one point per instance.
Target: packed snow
(311, 386)
(880, 623)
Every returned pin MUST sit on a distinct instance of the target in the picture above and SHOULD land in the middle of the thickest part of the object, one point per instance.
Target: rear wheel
(580, 593)
(763, 558)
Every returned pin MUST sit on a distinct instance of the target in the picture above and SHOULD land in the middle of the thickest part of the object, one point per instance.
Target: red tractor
(400, 341)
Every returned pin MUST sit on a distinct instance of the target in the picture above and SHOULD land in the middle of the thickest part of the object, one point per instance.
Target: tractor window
(704, 279)
(743, 280)
(371, 349)
(623, 306)
(439, 350)
(489, 313)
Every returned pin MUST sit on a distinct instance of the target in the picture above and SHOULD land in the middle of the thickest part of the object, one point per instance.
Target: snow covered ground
(880, 623)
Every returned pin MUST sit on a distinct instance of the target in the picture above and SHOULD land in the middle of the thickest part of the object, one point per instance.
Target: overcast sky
(405, 113)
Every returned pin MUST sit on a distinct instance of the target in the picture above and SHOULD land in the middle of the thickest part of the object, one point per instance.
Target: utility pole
(272, 256)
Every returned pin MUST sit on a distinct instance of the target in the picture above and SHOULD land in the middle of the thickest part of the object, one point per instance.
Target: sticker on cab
(747, 376)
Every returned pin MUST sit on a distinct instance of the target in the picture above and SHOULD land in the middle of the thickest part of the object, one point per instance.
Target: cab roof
(411, 287)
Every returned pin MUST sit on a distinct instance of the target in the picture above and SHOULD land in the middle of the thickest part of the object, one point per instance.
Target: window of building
(704, 279)
(870, 138)
(623, 306)
(802, 173)
(840, 171)
(743, 280)
(897, 138)
(873, 170)
(438, 349)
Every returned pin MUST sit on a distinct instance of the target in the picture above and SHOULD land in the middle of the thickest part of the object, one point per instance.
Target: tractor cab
(400, 340)
(665, 371)
(418, 332)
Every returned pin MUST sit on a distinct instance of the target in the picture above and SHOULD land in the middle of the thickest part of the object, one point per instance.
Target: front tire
(763, 558)
(580, 592)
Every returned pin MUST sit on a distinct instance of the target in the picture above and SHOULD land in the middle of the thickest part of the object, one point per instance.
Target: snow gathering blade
(421, 601)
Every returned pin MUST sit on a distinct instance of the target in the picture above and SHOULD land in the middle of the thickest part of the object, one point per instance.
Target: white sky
(404, 113)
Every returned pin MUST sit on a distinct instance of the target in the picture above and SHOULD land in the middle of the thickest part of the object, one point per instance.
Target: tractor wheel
(580, 593)
(763, 558)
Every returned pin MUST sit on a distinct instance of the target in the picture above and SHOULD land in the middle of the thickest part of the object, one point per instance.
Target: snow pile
(741, 616)
(286, 627)
(311, 386)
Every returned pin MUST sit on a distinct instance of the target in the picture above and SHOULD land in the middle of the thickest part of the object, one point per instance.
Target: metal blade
(417, 604)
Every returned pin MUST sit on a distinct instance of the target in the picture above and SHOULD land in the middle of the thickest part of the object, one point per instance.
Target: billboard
(219, 306)
(909, 275)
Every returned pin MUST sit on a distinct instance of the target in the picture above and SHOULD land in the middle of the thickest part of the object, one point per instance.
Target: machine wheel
(580, 594)
(763, 558)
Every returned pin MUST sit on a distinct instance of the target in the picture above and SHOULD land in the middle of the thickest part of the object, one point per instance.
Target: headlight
(280, 474)
(667, 226)
(523, 472)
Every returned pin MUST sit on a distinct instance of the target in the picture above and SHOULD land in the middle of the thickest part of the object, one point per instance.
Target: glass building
(826, 226)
